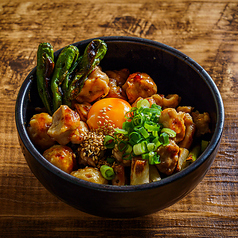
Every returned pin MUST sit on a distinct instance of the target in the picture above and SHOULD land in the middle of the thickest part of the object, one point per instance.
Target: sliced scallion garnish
(107, 172)
(143, 103)
(122, 145)
(140, 148)
(142, 133)
(134, 138)
(151, 146)
(164, 138)
(109, 142)
(169, 131)
(152, 126)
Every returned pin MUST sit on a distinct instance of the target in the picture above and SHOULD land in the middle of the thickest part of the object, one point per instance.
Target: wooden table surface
(207, 31)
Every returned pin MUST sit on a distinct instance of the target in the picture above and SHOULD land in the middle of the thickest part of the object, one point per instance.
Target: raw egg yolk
(108, 112)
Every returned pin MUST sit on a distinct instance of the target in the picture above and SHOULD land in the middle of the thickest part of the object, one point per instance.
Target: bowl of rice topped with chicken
(118, 126)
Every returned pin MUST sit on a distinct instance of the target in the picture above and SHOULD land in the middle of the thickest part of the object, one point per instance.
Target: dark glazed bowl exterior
(173, 72)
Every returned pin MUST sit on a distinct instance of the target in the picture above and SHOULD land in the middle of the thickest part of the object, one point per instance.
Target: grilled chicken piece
(139, 85)
(95, 87)
(171, 100)
(77, 136)
(82, 109)
(187, 109)
(119, 75)
(115, 91)
(90, 174)
(37, 131)
(202, 121)
(168, 157)
(64, 122)
(173, 120)
(189, 131)
(61, 156)
(116, 79)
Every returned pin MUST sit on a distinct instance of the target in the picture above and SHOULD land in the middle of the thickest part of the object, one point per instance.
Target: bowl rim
(20, 124)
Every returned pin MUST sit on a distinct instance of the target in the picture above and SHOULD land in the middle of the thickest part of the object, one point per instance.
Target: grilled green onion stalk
(93, 54)
(44, 69)
(192, 156)
(194, 153)
(66, 59)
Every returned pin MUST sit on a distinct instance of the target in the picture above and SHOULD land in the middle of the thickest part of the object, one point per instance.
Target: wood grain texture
(206, 31)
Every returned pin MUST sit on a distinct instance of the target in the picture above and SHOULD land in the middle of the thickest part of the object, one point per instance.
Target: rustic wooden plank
(204, 30)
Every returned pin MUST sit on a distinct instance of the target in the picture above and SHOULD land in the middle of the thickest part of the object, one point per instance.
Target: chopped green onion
(156, 142)
(147, 156)
(127, 156)
(164, 138)
(107, 172)
(152, 157)
(144, 132)
(151, 146)
(121, 131)
(140, 148)
(154, 160)
(169, 131)
(152, 127)
(156, 106)
(134, 138)
(150, 111)
(122, 145)
(138, 120)
(109, 142)
(155, 118)
(155, 133)
(128, 149)
(130, 114)
(143, 103)
(127, 126)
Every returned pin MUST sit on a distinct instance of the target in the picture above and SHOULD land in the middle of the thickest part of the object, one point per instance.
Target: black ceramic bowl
(173, 72)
